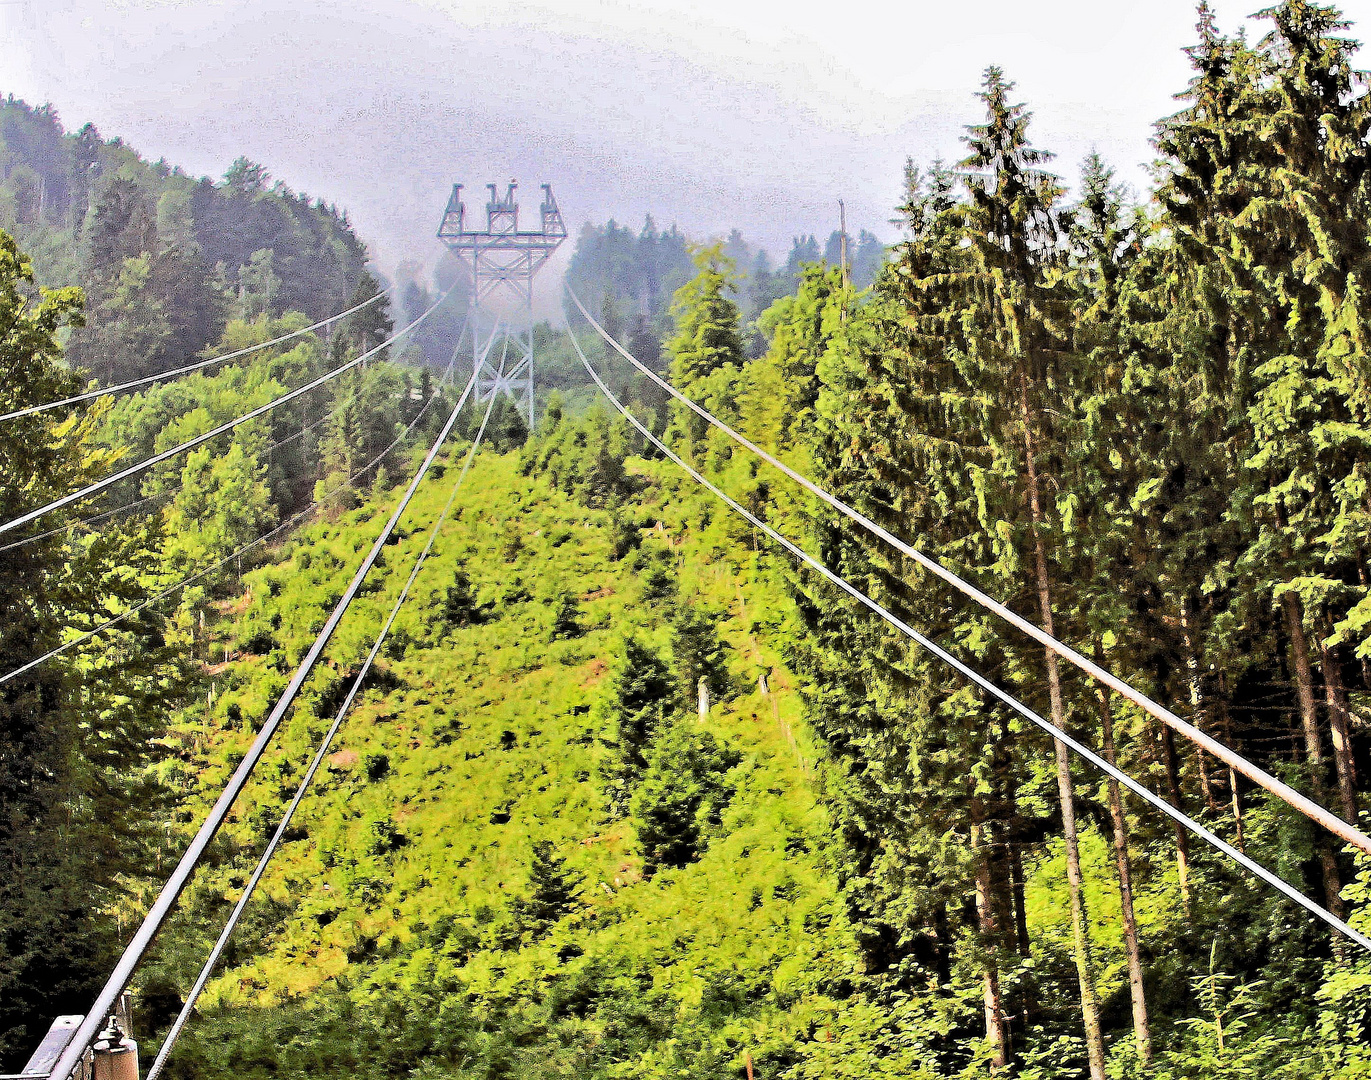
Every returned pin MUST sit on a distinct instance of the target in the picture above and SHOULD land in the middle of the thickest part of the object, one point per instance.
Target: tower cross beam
(502, 258)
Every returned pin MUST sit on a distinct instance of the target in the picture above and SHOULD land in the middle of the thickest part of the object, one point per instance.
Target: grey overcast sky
(757, 114)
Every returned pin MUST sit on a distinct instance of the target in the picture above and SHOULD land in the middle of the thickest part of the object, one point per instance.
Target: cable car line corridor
(923, 658)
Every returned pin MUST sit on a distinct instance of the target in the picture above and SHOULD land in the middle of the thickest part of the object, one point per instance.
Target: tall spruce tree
(707, 348)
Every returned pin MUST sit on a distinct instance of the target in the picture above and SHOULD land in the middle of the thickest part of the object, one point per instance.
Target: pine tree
(1267, 187)
(1106, 243)
(553, 889)
(893, 433)
(70, 759)
(636, 702)
(707, 348)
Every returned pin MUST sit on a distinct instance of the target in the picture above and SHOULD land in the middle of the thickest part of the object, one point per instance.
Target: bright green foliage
(513, 930)
(706, 321)
(583, 456)
(223, 502)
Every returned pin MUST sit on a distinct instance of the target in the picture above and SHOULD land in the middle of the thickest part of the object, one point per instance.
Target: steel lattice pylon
(503, 258)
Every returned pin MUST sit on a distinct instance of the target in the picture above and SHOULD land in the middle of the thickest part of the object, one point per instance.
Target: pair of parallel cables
(188, 1006)
(188, 444)
(166, 899)
(149, 499)
(1281, 790)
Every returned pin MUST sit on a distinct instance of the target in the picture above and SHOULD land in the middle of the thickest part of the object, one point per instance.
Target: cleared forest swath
(188, 1006)
(1259, 776)
(1143, 792)
(166, 899)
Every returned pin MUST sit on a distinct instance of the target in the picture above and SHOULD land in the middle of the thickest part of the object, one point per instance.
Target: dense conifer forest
(629, 792)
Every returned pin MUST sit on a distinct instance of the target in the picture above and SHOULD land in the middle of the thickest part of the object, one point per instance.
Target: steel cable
(189, 444)
(989, 687)
(1259, 776)
(106, 390)
(166, 898)
(174, 1032)
(264, 538)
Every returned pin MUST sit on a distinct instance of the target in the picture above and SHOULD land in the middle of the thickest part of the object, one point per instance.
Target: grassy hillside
(459, 895)
(399, 890)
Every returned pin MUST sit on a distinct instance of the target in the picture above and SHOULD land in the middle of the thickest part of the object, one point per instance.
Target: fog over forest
(934, 650)
(756, 116)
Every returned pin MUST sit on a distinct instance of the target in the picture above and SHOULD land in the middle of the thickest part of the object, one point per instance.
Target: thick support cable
(166, 899)
(188, 1006)
(103, 391)
(190, 444)
(1308, 807)
(1143, 792)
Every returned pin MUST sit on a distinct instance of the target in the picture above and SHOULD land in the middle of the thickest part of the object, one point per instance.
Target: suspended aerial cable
(207, 969)
(1259, 776)
(989, 687)
(69, 526)
(93, 518)
(264, 538)
(133, 953)
(189, 444)
(105, 390)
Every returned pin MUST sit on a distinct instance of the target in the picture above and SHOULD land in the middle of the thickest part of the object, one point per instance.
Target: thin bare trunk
(1173, 791)
(1238, 837)
(1226, 727)
(1016, 884)
(1142, 1030)
(1206, 785)
(1313, 749)
(1080, 930)
(1335, 696)
(1192, 666)
(1365, 583)
(996, 1028)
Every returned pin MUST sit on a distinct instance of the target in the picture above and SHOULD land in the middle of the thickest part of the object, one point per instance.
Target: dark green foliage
(627, 536)
(584, 456)
(682, 794)
(459, 607)
(153, 303)
(635, 702)
(657, 582)
(553, 889)
(566, 619)
(166, 259)
(614, 271)
(74, 764)
(698, 653)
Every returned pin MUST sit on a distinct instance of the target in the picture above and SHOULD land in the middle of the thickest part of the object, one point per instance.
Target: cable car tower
(503, 259)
